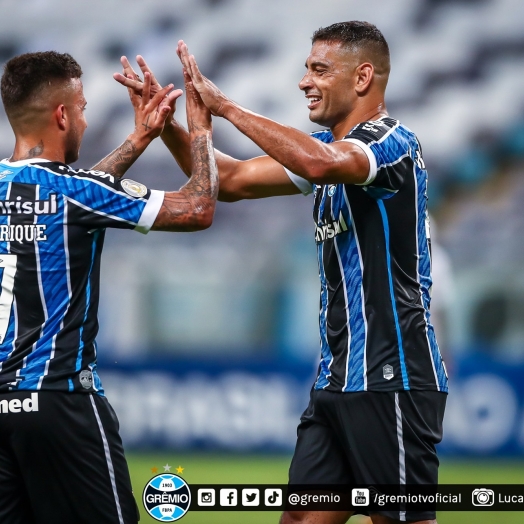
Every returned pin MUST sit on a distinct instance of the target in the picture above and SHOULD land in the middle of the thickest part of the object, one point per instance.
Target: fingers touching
(188, 61)
(146, 90)
(211, 96)
(131, 79)
(145, 69)
(145, 87)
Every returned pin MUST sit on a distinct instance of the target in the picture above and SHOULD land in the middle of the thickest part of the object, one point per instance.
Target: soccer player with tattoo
(61, 457)
(377, 405)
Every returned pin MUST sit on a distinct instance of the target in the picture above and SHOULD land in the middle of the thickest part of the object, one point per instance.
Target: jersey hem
(429, 387)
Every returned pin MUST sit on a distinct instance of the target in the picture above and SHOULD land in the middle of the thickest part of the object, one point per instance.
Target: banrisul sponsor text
(19, 206)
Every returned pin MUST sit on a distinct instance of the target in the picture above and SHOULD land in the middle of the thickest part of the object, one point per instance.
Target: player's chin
(72, 156)
(318, 117)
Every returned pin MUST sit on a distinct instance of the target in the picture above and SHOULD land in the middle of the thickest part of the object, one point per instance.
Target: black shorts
(370, 438)
(62, 463)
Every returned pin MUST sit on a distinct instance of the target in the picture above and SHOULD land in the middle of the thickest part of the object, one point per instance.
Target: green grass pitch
(262, 469)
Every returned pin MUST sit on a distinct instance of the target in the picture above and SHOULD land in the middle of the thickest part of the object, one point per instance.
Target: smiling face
(329, 82)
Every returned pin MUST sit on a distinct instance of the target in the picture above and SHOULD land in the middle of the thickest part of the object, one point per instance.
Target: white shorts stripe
(401, 450)
(108, 460)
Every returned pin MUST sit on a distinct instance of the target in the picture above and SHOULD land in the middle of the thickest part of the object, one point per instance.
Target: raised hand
(151, 112)
(193, 206)
(212, 97)
(198, 115)
(134, 83)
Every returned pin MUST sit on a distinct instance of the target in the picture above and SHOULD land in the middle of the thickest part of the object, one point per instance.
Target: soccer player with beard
(61, 457)
(377, 405)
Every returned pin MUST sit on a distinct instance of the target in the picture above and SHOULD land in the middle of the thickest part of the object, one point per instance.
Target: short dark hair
(353, 34)
(25, 74)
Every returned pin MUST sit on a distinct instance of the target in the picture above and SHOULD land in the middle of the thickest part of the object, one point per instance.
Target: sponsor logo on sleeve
(135, 189)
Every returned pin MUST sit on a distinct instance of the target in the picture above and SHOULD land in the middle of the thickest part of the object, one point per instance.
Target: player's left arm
(307, 157)
(150, 117)
(193, 206)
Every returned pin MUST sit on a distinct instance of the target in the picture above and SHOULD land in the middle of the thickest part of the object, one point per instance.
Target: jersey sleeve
(101, 200)
(385, 150)
(304, 185)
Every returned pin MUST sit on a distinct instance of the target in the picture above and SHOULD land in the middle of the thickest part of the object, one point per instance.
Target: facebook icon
(228, 497)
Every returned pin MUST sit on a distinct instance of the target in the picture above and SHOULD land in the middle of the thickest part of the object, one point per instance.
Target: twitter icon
(250, 497)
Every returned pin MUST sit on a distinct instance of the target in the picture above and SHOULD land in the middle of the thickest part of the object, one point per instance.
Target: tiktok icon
(273, 497)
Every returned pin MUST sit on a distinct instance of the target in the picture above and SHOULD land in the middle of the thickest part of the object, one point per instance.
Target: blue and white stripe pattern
(53, 219)
(375, 330)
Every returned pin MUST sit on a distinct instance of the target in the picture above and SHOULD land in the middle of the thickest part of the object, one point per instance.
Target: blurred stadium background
(208, 342)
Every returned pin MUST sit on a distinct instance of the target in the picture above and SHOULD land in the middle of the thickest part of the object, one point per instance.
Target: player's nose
(306, 82)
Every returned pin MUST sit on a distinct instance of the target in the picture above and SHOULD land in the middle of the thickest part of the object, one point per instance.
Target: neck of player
(27, 147)
(359, 114)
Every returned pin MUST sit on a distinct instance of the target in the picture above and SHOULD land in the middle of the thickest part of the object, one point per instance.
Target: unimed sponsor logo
(17, 405)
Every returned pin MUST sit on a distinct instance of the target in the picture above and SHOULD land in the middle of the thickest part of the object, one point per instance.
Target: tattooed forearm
(203, 183)
(192, 207)
(194, 126)
(120, 160)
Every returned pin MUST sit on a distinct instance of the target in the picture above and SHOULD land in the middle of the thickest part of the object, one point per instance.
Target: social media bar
(504, 497)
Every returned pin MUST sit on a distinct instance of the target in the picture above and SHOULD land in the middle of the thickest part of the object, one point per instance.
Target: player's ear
(61, 117)
(365, 73)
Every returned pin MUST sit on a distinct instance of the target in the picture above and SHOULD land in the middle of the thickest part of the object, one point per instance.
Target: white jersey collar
(20, 163)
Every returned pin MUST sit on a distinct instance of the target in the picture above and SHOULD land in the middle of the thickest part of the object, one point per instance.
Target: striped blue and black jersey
(374, 260)
(52, 224)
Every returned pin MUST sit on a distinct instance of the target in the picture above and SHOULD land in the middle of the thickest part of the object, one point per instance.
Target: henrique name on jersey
(23, 233)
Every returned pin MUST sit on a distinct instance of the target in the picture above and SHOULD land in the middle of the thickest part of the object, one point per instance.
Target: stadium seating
(457, 69)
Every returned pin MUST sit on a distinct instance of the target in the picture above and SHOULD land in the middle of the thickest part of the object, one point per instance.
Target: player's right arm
(259, 177)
